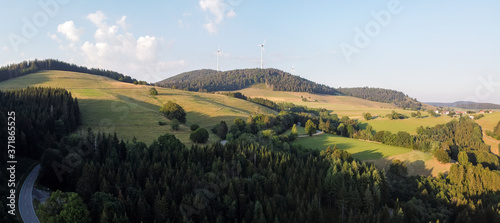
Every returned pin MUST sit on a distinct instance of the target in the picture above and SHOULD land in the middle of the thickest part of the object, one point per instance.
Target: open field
(350, 106)
(488, 122)
(409, 125)
(359, 149)
(418, 163)
(111, 106)
(381, 155)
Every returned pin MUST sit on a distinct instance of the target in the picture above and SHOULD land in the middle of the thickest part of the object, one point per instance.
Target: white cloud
(146, 48)
(69, 30)
(53, 37)
(5, 48)
(113, 47)
(121, 22)
(97, 18)
(218, 10)
(210, 27)
(231, 14)
(216, 7)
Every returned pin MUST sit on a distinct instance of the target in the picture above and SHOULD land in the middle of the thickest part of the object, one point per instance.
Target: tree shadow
(368, 154)
(414, 168)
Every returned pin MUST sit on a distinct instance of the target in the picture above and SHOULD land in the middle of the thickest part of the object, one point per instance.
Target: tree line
(33, 66)
(43, 115)
(383, 95)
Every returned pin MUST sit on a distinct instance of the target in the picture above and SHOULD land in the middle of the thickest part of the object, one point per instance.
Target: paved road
(26, 197)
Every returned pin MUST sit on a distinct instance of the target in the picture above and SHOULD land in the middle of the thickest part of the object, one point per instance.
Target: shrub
(193, 127)
(367, 116)
(153, 91)
(200, 135)
(172, 110)
(175, 124)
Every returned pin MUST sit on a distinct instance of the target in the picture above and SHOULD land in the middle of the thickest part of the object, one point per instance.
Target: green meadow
(110, 106)
(359, 149)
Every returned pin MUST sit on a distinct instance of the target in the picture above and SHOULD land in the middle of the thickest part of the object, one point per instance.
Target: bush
(200, 135)
(442, 156)
(396, 115)
(160, 123)
(175, 124)
(172, 110)
(153, 91)
(367, 116)
(193, 127)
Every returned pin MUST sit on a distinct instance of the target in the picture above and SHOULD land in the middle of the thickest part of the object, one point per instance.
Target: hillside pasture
(110, 106)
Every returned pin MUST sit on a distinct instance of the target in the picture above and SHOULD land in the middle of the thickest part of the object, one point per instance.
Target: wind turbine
(218, 53)
(262, 50)
(293, 69)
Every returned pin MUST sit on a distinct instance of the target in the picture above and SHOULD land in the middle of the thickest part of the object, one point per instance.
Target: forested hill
(398, 98)
(211, 80)
(33, 66)
(277, 80)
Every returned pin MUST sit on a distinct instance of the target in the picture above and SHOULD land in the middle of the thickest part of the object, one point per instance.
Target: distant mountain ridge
(465, 105)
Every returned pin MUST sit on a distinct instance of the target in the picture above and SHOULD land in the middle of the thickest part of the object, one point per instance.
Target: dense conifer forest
(277, 80)
(211, 81)
(383, 95)
(42, 117)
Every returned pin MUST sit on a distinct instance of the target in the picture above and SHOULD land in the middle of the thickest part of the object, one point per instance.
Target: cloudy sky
(432, 50)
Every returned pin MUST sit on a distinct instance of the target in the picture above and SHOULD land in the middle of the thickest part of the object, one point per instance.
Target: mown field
(488, 123)
(359, 149)
(110, 106)
(381, 155)
(355, 107)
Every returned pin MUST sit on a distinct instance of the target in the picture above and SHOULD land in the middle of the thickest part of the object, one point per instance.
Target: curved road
(25, 202)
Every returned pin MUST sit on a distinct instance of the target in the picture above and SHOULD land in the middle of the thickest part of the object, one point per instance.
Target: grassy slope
(381, 155)
(359, 149)
(488, 122)
(350, 106)
(108, 105)
(418, 162)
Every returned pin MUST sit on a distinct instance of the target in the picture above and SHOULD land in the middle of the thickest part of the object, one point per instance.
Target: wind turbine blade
(264, 43)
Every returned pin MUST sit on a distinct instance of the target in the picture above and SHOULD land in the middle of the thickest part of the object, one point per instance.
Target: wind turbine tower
(218, 53)
(262, 50)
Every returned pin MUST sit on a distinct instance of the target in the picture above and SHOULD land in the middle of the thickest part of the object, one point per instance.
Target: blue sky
(432, 50)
